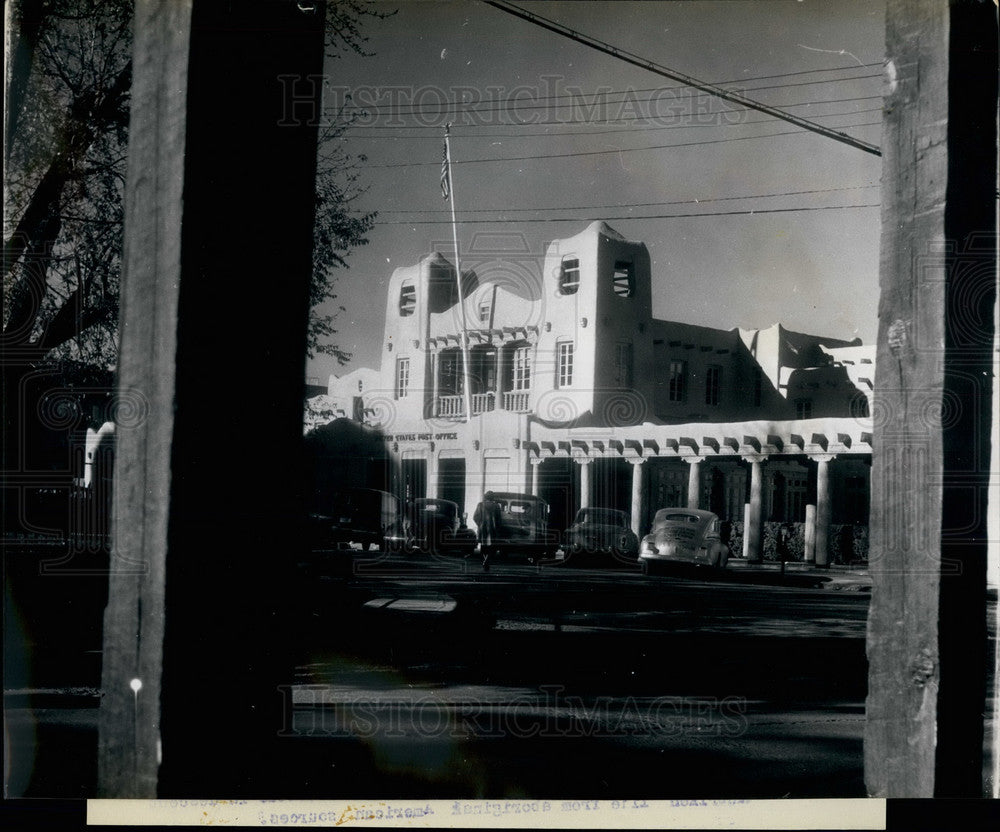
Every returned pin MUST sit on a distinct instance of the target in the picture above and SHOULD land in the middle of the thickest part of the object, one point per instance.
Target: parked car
(524, 526)
(362, 516)
(683, 535)
(434, 526)
(601, 531)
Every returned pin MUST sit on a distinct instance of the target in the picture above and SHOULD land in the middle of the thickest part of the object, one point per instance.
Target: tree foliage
(64, 172)
(67, 83)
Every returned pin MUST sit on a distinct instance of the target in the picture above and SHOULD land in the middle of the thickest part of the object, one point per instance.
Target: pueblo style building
(574, 392)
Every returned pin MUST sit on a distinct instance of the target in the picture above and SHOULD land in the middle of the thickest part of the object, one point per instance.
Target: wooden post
(753, 529)
(821, 527)
(694, 482)
(810, 534)
(927, 633)
(226, 107)
(133, 622)
(584, 465)
(638, 497)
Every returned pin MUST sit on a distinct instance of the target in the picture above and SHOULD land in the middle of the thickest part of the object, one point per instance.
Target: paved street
(425, 676)
(563, 681)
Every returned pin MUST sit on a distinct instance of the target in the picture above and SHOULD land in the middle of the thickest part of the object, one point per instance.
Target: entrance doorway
(451, 481)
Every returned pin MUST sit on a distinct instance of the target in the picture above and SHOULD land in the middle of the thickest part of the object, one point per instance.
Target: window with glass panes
(402, 377)
(564, 364)
(713, 384)
(522, 369)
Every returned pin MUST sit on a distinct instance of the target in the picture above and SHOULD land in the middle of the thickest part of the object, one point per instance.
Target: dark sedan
(434, 526)
(353, 516)
(603, 532)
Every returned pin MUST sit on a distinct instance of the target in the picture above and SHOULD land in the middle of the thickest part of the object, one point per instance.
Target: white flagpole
(458, 276)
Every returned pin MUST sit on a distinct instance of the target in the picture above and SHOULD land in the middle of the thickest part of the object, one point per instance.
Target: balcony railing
(482, 402)
(516, 400)
(454, 406)
(451, 406)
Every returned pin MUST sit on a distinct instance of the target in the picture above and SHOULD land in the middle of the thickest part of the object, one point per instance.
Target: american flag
(445, 179)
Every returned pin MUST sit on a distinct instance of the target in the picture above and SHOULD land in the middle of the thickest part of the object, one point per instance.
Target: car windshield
(438, 508)
(601, 516)
(665, 518)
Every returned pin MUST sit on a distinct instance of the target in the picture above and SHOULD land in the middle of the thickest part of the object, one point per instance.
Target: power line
(446, 108)
(564, 133)
(538, 156)
(701, 201)
(635, 60)
(437, 127)
(747, 213)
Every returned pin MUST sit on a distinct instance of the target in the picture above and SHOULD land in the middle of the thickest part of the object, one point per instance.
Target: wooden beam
(215, 310)
(926, 642)
(129, 716)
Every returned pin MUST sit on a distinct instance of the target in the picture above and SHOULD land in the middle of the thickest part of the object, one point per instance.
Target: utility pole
(208, 508)
(931, 450)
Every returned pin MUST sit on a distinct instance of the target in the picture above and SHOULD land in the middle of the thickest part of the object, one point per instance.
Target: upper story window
(803, 408)
(569, 276)
(623, 279)
(451, 378)
(677, 384)
(564, 364)
(713, 384)
(522, 369)
(402, 377)
(407, 300)
(484, 312)
(623, 365)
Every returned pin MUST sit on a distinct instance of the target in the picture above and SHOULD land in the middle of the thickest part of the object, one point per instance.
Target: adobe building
(576, 393)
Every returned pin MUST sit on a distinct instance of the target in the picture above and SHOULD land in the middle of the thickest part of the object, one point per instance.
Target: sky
(548, 135)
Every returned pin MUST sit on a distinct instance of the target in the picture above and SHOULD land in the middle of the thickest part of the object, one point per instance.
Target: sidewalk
(836, 576)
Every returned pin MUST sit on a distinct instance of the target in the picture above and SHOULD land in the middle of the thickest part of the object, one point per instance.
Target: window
(623, 279)
(803, 408)
(758, 386)
(569, 276)
(677, 385)
(407, 300)
(623, 365)
(564, 366)
(795, 499)
(451, 380)
(484, 312)
(713, 384)
(522, 369)
(402, 377)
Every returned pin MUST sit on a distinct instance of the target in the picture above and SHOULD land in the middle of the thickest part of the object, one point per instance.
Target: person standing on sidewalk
(487, 519)
(783, 543)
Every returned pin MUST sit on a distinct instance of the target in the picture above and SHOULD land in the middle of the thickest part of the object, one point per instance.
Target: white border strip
(859, 813)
